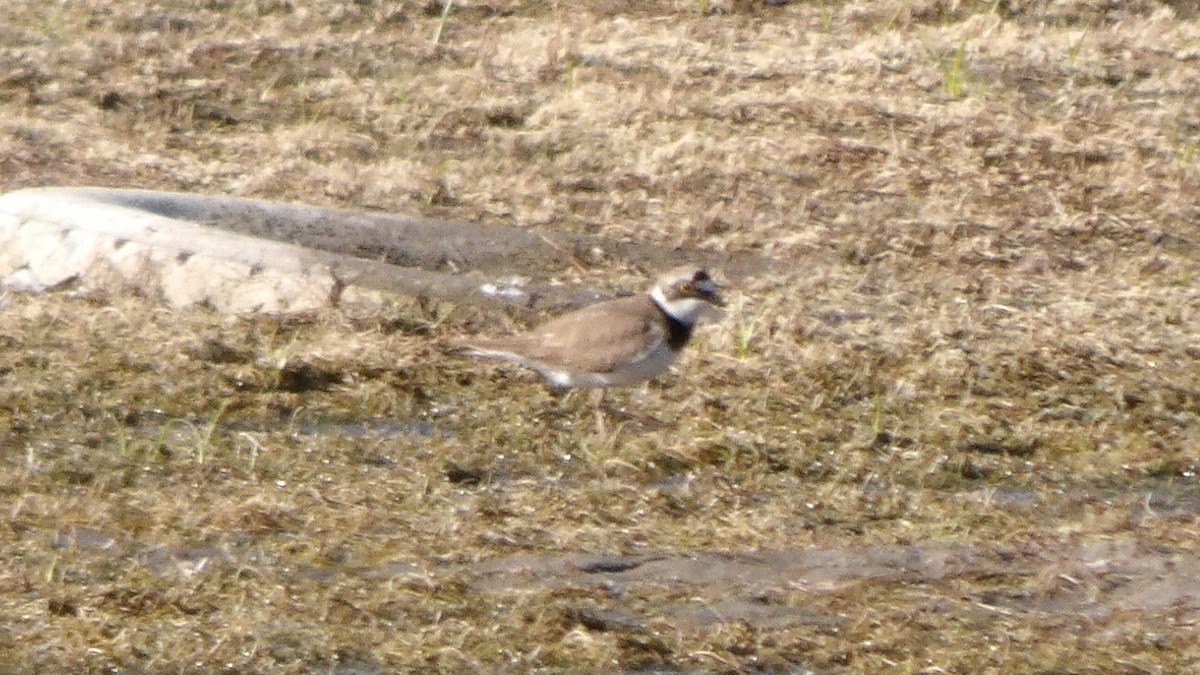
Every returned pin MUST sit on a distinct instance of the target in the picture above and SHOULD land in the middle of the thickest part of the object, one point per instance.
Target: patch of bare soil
(761, 588)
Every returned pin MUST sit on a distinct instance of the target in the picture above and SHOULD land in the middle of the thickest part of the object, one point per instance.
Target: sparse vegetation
(962, 439)
(441, 23)
(954, 75)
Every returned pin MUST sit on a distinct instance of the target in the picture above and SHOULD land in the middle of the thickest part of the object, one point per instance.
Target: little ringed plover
(613, 343)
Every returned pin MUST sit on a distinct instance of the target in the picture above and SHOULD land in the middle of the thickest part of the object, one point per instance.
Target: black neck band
(678, 332)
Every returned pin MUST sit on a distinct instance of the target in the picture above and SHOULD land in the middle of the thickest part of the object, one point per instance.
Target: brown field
(956, 431)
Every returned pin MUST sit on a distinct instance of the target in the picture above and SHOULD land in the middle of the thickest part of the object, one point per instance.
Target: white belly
(652, 363)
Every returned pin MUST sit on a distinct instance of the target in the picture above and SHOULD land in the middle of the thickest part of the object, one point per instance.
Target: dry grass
(989, 336)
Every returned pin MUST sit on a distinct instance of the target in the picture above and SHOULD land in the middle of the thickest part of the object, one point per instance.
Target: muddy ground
(954, 430)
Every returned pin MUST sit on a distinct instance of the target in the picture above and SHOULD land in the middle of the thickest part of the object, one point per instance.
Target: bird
(613, 343)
